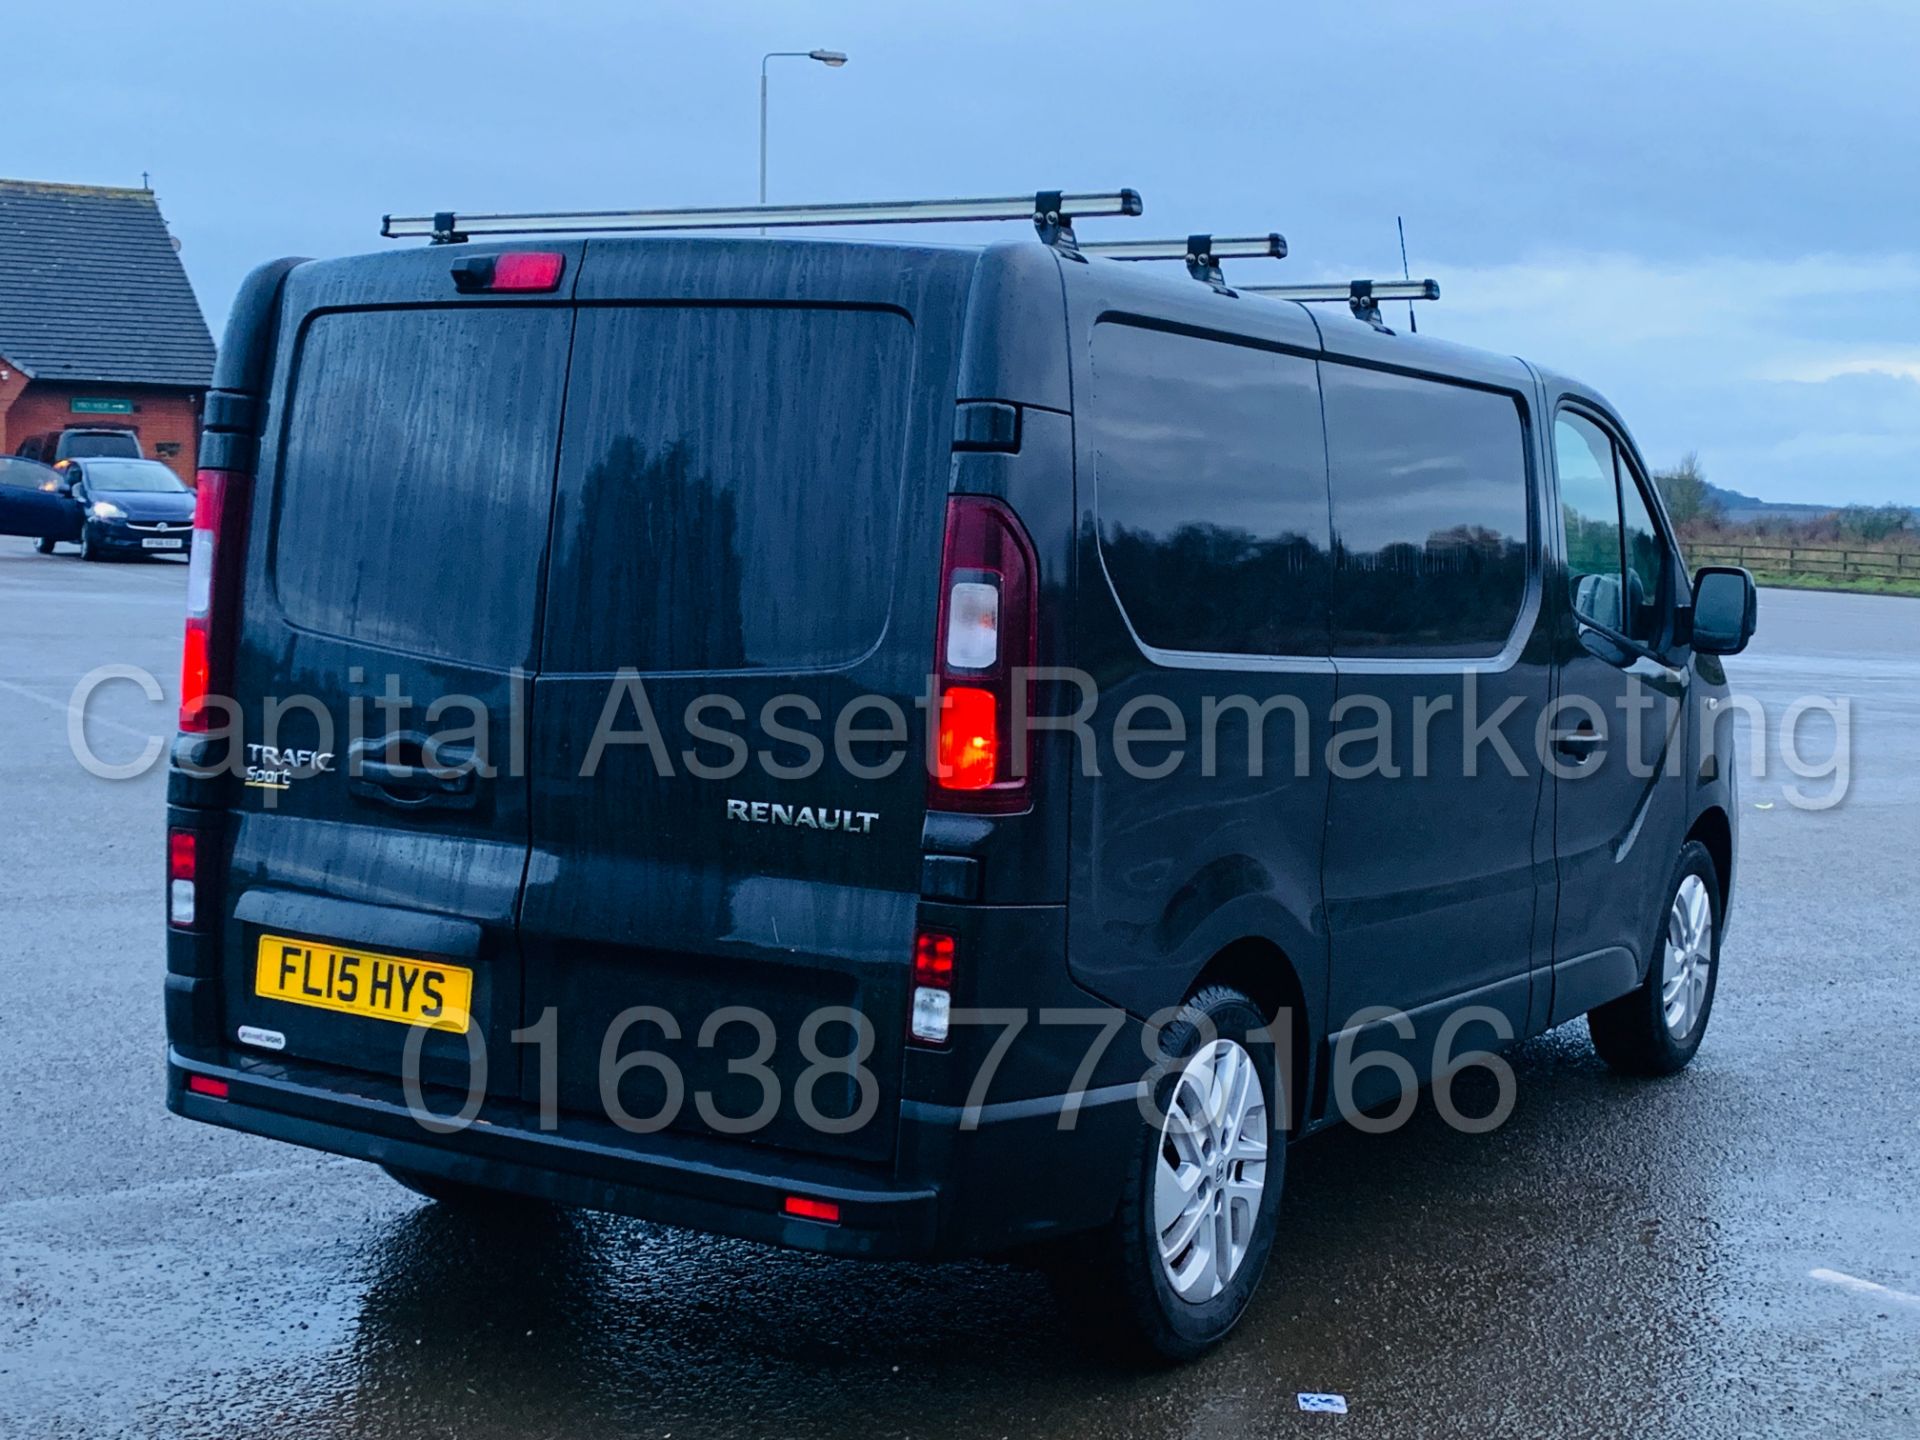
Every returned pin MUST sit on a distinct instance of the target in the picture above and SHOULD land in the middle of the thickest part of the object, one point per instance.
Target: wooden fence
(1786, 559)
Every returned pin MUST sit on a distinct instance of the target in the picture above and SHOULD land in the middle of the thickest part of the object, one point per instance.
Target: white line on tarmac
(1864, 1287)
(66, 707)
(167, 1187)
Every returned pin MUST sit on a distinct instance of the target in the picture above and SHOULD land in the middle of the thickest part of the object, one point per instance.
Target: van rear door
(390, 619)
(747, 533)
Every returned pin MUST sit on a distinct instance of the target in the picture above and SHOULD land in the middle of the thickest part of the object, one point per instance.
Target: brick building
(98, 325)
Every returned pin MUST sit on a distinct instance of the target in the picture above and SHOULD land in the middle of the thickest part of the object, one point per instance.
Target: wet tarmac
(1619, 1258)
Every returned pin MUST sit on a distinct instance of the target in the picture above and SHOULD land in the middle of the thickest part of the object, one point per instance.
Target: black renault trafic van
(901, 750)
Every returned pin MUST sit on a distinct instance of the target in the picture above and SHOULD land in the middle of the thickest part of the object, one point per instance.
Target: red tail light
(213, 593)
(989, 605)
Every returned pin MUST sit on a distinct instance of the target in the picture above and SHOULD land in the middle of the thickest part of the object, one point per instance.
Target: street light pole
(832, 59)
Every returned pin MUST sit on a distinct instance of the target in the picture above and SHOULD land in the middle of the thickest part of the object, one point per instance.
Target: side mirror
(1726, 607)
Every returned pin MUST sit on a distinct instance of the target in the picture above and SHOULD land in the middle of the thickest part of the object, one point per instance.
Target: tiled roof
(91, 289)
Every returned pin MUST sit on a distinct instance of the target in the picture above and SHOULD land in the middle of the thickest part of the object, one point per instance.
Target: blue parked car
(107, 506)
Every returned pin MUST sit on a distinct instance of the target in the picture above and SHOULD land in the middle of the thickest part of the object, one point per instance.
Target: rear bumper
(1011, 1178)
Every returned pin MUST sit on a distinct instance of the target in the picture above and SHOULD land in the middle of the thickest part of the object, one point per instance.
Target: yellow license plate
(364, 982)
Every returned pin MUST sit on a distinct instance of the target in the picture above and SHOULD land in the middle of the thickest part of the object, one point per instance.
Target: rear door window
(1430, 515)
(416, 479)
(729, 488)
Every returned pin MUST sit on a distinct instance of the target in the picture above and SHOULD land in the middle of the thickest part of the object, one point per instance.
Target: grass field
(1851, 584)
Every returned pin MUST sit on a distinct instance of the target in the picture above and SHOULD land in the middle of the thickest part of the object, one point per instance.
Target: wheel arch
(1262, 971)
(1713, 829)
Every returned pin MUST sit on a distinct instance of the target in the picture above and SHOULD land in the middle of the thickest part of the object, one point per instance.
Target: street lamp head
(833, 59)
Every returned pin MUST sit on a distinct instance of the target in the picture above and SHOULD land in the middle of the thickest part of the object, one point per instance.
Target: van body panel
(1435, 856)
(1166, 873)
(383, 490)
(1621, 821)
(798, 441)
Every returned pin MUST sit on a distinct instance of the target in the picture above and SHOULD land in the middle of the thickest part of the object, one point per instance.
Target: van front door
(1617, 733)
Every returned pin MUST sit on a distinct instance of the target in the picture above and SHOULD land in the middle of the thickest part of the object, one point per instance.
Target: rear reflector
(803, 1207)
(205, 1085)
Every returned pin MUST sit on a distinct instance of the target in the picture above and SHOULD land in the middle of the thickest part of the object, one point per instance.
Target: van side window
(1616, 558)
(1646, 558)
(1590, 507)
(1430, 515)
(1211, 492)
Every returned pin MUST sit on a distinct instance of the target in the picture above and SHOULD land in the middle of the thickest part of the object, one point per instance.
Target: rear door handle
(429, 777)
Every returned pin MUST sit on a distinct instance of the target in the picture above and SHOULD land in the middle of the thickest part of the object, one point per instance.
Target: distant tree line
(1696, 511)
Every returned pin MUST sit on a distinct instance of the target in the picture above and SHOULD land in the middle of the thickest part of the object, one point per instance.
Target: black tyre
(1174, 1270)
(457, 1195)
(1656, 1029)
(44, 545)
(88, 550)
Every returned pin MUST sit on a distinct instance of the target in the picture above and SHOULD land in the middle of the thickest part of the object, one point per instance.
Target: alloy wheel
(1687, 959)
(1211, 1172)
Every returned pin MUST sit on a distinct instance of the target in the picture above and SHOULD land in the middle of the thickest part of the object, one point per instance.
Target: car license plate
(364, 982)
(153, 544)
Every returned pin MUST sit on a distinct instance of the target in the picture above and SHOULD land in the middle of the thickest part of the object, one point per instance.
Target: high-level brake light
(516, 272)
(988, 609)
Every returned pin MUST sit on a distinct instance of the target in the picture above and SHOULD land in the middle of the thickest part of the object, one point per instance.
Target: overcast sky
(1707, 209)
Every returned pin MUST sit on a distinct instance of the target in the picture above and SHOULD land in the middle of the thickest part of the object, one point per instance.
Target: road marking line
(1863, 1287)
(66, 707)
(167, 1187)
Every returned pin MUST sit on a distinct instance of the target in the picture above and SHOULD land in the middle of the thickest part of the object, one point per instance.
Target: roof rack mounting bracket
(1363, 297)
(444, 232)
(1202, 253)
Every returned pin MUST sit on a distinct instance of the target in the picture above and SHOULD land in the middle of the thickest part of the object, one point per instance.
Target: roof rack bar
(1203, 253)
(1051, 211)
(1248, 247)
(1345, 290)
(1364, 296)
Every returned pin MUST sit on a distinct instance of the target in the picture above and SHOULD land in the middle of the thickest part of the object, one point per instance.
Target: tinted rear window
(1429, 515)
(729, 485)
(78, 446)
(416, 482)
(1212, 492)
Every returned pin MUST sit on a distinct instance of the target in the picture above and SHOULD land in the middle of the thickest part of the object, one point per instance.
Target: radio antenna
(1405, 273)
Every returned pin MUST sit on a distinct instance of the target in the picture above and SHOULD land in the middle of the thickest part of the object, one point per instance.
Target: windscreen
(144, 477)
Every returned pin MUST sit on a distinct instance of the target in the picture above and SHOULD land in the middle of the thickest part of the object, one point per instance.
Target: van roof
(1009, 278)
